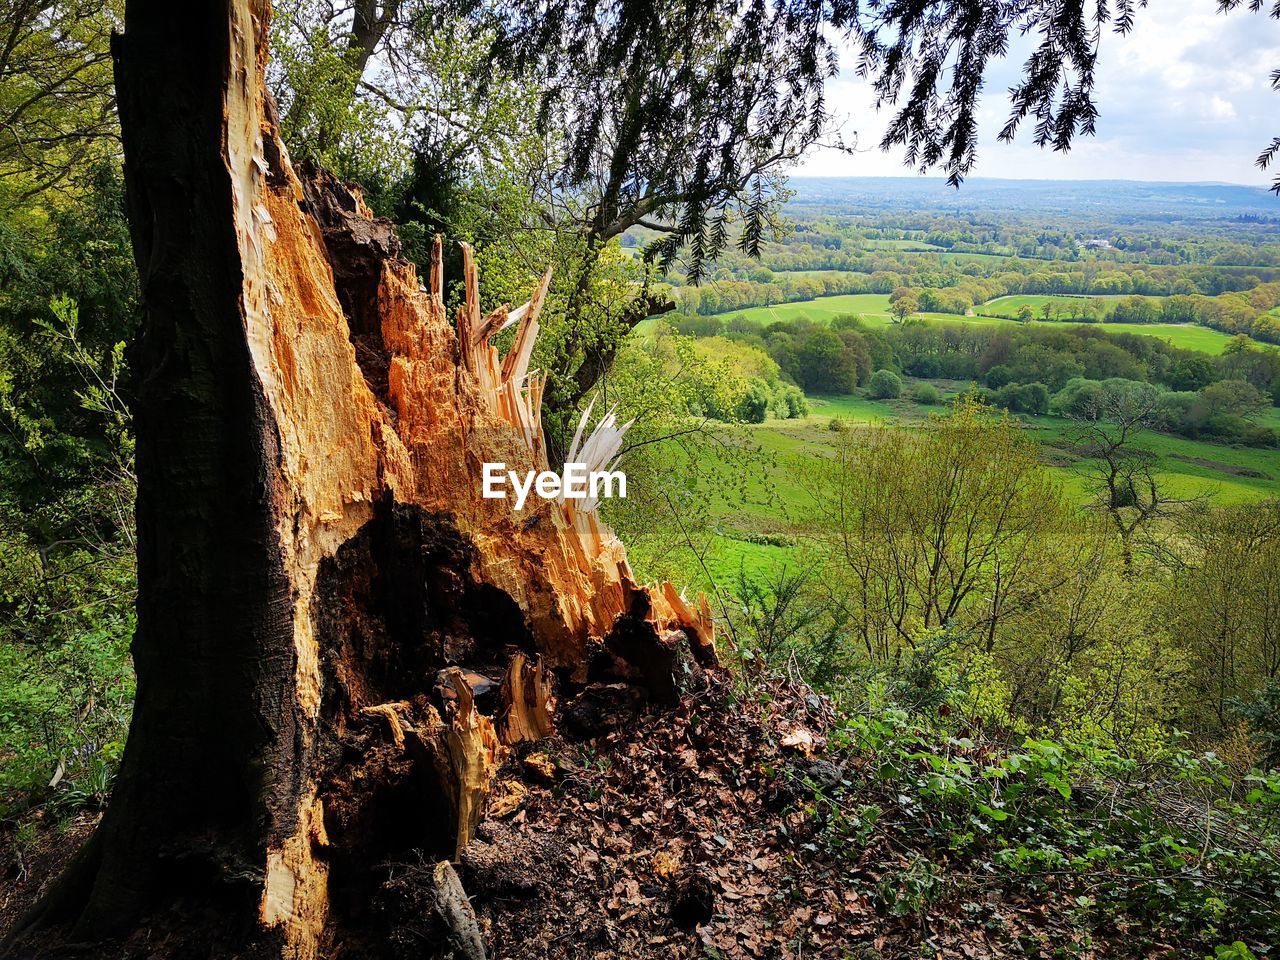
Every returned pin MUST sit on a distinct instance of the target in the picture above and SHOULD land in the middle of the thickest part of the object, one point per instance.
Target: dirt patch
(31, 862)
(1230, 469)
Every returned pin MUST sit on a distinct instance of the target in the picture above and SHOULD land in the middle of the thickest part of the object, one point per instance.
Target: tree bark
(338, 638)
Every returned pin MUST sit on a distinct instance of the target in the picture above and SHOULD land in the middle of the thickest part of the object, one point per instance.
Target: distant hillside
(1109, 198)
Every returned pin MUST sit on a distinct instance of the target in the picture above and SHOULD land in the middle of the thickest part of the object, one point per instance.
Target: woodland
(941, 617)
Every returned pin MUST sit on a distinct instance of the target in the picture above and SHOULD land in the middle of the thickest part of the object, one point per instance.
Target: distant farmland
(874, 309)
(1060, 305)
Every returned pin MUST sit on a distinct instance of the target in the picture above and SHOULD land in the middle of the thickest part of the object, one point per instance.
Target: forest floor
(703, 831)
(32, 858)
(698, 833)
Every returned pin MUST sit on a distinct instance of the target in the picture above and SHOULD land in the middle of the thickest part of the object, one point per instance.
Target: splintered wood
(474, 756)
(527, 700)
(376, 400)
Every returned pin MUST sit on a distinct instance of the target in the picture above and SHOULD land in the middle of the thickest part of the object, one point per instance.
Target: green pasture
(1010, 305)
(770, 498)
(1187, 336)
(910, 246)
(874, 309)
(822, 309)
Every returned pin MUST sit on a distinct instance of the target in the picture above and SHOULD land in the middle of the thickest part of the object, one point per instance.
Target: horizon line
(930, 178)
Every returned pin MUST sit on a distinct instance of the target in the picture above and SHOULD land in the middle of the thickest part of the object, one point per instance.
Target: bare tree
(1123, 477)
(955, 527)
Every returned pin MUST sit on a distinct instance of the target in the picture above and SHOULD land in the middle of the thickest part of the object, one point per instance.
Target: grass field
(771, 462)
(874, 308)
(908, 246)
(1185, 335)
(1010, 305)
(823, 309)
(871, 307)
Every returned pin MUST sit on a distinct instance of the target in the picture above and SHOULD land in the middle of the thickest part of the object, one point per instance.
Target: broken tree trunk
(338, 637)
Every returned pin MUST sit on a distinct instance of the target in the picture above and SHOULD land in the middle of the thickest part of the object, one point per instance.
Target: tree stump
(314, 548)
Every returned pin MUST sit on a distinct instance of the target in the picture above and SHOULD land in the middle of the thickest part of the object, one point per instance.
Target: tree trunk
(338, 638)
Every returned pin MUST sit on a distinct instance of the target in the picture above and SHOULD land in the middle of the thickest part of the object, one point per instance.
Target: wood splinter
(474, 754)
(391, 713)
(528, 701)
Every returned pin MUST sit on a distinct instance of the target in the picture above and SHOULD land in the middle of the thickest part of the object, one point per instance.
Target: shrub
(998, 376)
(1021, 398)
(1033, 398)
(926, 393)
(794, 399)
(753, 407)
(1262, 715)
(885, 385)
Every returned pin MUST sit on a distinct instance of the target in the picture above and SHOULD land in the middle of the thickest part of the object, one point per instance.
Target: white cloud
(1184, 96)
(1219, 109)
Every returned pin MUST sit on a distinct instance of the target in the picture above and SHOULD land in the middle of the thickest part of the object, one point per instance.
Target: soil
(650, 833)
(1231, 469)
(32, 859)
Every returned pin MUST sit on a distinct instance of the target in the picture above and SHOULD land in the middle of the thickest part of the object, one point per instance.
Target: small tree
(926, 394)
(950, 527)
(1223, 601)
(885, 385)
(904, 306)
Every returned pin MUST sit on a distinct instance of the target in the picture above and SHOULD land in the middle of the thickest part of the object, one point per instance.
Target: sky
(1186, 96)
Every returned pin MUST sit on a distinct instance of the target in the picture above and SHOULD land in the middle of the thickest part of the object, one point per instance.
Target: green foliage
(784, 616)
(823, 362)
(1223, 602)
(1232, 951)
(1261, 711)
(56, 96)
(317, 69)
(66, 688)
(1064, 818)
(67, 576)
(885, 384)
(926, 393)
(1032, 398)
(680, 115)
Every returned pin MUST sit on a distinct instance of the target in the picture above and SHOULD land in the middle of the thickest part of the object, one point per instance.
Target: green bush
(66, 681)
(885, 385)
(926, 394)
(1261, 713)
(1069, 819)
(753, 406)
(1030, 398)
(797, 405)
(998, 376)
(763, 399)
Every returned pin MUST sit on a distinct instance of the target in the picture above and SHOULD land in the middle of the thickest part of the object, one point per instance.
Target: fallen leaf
(801, 739)
(665, 865)
(507, 798)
